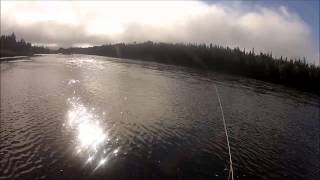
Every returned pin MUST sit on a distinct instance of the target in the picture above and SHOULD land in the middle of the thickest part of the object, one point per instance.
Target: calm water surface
(90, 117)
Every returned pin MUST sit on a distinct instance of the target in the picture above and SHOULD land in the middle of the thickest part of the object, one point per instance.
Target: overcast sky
(278, 28)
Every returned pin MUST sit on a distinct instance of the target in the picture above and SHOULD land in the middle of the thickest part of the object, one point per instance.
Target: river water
(91, 117)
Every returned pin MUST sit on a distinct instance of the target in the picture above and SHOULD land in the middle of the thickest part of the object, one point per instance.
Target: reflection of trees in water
(294, 72)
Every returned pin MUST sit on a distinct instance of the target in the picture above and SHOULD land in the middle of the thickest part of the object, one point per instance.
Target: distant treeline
(291, 72)
(9, 46)
(263, 66)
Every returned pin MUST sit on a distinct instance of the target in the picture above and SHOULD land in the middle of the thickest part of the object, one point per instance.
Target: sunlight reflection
(102, 161)
(89, 134)
(72, 81)
(91, 139)
(88, 62)
(90, 159)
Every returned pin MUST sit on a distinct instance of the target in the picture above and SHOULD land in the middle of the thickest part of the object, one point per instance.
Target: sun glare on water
(90, 135)
(91, 139)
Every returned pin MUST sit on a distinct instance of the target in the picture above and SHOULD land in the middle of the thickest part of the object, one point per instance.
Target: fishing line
(225, 129)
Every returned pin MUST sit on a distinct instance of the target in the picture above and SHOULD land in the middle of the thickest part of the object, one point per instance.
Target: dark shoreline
(305, 85)
(12, 58)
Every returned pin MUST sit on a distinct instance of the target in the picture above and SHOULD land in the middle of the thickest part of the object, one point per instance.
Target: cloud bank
(67, 24)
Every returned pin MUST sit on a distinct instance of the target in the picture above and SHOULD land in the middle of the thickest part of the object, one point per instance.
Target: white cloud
(73, 23)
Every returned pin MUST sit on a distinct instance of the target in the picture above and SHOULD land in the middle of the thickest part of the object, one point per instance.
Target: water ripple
(89, 117)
